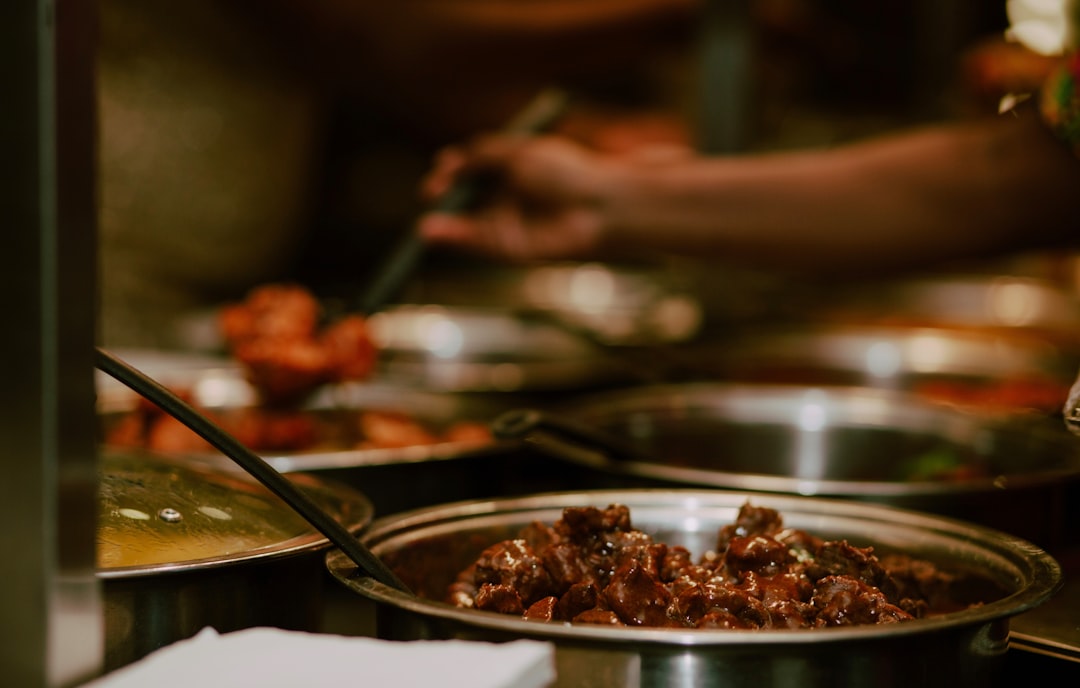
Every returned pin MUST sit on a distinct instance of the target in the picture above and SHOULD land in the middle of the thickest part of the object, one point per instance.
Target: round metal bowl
(428, 547)
(182, 546)
(1012, 473)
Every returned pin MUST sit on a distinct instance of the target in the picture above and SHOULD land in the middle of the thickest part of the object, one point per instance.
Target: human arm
(908, 199)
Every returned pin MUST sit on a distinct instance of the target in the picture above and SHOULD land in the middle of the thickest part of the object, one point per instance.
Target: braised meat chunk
(592, 566)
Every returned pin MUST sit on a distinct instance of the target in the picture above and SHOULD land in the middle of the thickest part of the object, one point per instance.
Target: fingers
(456, 162)
(503, 231)
(489, 233)
(446, 168)
(443, 228)
(541, 208)
(500, 155)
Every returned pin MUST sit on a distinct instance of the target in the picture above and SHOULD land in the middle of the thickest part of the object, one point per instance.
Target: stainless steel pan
(428, 547)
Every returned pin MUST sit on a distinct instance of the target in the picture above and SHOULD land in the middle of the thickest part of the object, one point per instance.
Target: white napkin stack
(274, 658)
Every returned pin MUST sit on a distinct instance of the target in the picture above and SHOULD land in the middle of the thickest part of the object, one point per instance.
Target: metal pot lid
(161, 515)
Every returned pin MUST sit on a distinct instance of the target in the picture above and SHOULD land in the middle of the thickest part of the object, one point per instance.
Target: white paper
(274, 658)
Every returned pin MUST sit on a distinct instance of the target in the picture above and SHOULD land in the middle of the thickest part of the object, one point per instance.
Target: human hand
(547, 200)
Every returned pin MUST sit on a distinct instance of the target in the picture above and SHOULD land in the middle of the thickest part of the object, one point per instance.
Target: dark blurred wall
(821, 71)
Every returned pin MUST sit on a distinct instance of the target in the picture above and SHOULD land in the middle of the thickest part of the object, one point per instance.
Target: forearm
(941, 193)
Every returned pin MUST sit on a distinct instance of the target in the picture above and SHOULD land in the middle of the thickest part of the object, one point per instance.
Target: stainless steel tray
(217, 384)
(993, 301)
(642, 305)
(477, 349)
(1053, 629)
(895, 356)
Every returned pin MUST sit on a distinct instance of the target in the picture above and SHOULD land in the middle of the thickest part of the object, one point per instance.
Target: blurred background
(274, 150)
(242, 147)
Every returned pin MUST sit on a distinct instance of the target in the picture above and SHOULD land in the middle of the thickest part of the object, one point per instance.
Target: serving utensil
(540, 114)
(259, 469)
(565, 438)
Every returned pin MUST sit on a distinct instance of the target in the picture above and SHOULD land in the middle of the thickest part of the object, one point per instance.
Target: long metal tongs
(539, 115)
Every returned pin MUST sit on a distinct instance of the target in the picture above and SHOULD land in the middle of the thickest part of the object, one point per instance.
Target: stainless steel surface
(964, 648)
(857, 443)
(1002, 303)
(182, 546)
(896, 357)
(560, 327)
(1071, 409)
(218, 385)
(478, 349)
(394, 478)
(51, 620)
(617, 304)
(1053, 630)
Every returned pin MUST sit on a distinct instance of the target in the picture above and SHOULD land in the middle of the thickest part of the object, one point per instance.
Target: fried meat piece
(276, 335)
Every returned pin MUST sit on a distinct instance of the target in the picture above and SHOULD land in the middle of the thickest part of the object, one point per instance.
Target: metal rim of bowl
(683, 396)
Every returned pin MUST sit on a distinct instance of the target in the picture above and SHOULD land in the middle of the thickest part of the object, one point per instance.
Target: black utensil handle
(548, 429)
(394, 273)
(250, 462)
(408, 253)
(540, 114)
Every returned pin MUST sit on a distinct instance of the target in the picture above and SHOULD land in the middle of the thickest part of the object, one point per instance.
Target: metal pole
(52, 623)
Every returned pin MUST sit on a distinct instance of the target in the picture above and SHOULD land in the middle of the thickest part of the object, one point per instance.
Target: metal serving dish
(1013, 473)
(394, 476)
(619, 305)
(999, 370)
(428, 547)
(487, 349)
(182, 546)
(1000, 303)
